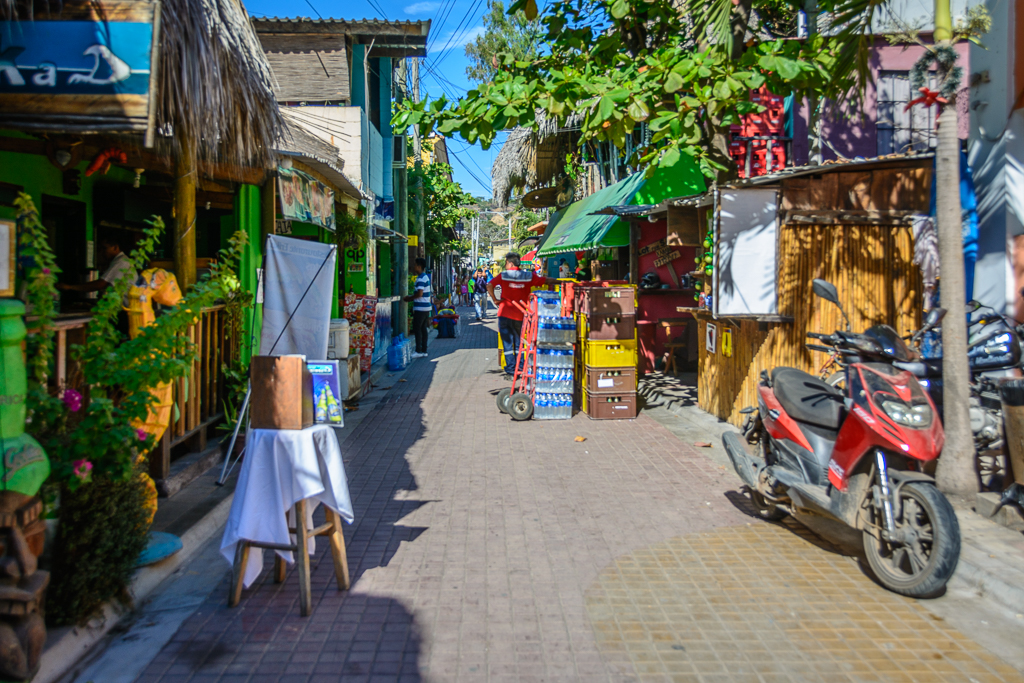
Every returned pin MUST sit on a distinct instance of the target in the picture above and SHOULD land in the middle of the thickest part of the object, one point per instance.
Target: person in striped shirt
(421, 307)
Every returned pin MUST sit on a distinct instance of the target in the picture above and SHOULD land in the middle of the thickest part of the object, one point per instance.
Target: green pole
(25, 465)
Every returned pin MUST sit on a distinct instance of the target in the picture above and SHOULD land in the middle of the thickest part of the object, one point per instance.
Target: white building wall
(995, 153)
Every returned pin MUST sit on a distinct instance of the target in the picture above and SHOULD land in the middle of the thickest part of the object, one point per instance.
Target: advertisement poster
(361, 313)
(304, 198)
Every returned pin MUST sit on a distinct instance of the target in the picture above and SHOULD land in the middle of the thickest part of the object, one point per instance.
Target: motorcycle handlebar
(818, 347)
(818, 335)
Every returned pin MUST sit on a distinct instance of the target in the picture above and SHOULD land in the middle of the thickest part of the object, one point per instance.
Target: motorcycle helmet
(650, 281)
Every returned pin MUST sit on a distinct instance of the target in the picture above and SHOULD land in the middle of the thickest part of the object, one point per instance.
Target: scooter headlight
(918, 415)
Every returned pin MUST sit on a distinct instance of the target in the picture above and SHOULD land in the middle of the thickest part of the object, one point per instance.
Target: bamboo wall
(871, 265)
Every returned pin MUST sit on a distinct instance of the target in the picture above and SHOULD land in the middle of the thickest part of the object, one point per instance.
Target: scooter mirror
(935, 316)
(825, 289)
(973, 305)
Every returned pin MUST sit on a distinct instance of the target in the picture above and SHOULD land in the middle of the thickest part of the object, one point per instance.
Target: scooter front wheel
(920, 565)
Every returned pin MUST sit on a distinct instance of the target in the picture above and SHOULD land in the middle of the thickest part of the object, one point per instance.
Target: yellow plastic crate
(610, 353)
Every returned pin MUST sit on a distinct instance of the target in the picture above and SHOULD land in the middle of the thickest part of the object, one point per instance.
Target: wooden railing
(199, 397)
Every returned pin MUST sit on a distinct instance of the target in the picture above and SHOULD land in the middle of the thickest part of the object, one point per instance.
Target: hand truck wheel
(520, 406)
(502, 399)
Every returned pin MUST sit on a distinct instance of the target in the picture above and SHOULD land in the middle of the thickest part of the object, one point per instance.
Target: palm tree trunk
(957, 472)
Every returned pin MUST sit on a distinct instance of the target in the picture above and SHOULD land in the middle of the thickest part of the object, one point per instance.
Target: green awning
(575, 229)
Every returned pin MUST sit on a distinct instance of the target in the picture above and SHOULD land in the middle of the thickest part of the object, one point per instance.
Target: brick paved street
(485, 549)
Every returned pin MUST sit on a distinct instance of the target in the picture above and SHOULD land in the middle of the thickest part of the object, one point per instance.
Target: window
(898, 130)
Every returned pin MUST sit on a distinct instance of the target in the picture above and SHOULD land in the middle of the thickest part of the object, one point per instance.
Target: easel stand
(332, 529)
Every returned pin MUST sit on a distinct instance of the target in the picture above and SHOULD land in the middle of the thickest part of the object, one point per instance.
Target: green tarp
(575, 229)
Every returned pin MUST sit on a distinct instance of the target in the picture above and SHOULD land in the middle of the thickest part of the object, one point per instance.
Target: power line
(466, 16)
(484, 185)
(446, 11)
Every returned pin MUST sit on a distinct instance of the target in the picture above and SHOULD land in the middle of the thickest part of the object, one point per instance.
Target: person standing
(563, 270)
(421, 307)
(515, 288)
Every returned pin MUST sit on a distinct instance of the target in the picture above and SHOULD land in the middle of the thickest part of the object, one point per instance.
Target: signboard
(666, 258)
(711, 339)
(727, 342)
(91, 69)
(304, 198)
(653, 247)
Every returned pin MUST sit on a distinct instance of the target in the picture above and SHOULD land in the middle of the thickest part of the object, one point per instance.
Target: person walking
(480, 294)
(470, 288)
(464, 289)
(421, 307)
(515, 287)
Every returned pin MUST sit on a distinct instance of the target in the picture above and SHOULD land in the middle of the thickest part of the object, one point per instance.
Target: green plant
(610, 65)
(93, 441)
(350, 231)
(444, 203)
(101, 533)
(237, 304)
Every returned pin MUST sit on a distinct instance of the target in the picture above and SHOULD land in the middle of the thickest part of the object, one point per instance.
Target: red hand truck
(518, 401)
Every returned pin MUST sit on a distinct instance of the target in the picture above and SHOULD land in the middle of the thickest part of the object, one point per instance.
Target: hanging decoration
(945, 57)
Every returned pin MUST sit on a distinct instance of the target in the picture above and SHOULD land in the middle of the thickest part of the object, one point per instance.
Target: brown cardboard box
(282, 393)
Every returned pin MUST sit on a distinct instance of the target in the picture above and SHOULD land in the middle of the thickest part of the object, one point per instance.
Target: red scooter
(857, 456)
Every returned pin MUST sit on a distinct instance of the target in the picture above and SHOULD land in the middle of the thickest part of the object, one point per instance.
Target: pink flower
(72, 399)
(142, 434)
(46, 271)
(83, 469)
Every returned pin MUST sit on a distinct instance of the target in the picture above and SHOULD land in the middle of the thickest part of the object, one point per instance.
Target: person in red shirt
(515, 286)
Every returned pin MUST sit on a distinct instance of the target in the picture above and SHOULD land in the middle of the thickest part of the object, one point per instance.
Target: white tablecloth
(282, 467)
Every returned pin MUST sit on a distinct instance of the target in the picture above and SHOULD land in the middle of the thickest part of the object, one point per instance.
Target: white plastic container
(337, 339)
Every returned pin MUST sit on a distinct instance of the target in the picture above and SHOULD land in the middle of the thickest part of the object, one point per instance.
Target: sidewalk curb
(989, 561)
(66, 646)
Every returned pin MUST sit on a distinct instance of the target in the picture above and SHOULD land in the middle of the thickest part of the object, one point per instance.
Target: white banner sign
(290, 268)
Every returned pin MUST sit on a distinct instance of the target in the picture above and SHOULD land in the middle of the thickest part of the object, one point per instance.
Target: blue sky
(443, 72)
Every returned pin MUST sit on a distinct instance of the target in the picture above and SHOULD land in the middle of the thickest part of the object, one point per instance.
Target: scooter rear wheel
(921, 567)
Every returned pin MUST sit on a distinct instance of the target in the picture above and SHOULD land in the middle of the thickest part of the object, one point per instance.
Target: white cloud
(461, 40)
(421, 7)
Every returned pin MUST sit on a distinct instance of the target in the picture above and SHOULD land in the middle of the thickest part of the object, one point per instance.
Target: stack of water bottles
(400, 352)
(553, 398)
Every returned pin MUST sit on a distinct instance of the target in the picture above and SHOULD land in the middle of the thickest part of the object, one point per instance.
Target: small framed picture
(711, 339)
(8, 250)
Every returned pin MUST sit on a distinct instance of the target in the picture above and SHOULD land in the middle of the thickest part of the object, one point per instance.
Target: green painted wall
(38, 177)
(247, 219)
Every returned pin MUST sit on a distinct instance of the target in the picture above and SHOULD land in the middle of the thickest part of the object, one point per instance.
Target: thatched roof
(216, 87)
(529, 158)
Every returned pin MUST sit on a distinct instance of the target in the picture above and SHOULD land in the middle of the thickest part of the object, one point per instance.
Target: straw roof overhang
(389, 38)
(214, 86)
(531, 158)
(321, 157)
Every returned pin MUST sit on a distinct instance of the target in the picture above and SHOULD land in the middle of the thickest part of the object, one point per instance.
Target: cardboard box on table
(282, 393)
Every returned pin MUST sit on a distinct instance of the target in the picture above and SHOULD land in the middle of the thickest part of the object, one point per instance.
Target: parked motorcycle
(994, 343)
(857, 456)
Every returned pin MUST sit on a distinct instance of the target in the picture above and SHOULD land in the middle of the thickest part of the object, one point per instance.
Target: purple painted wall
(858, 136)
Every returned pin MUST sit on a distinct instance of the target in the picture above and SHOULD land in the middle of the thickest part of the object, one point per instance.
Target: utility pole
(416, 144)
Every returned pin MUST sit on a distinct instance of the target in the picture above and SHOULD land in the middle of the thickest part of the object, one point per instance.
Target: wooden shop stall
(849, 223)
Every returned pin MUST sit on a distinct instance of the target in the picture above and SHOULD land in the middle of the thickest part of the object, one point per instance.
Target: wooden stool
(670, 356)
(332, 529)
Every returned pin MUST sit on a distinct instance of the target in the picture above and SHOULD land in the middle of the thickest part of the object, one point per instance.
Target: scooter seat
(807, 399)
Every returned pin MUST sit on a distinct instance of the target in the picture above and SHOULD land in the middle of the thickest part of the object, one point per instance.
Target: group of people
(471, 289)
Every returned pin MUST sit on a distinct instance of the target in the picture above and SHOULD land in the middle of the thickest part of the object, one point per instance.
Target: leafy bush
(103, 530)
(90, 432)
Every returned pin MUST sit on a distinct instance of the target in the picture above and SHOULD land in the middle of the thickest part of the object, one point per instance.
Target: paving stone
(486, 549)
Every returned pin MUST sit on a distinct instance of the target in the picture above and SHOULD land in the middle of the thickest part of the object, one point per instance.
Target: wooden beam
(149, 161)
(185, 217)
(268, 208)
